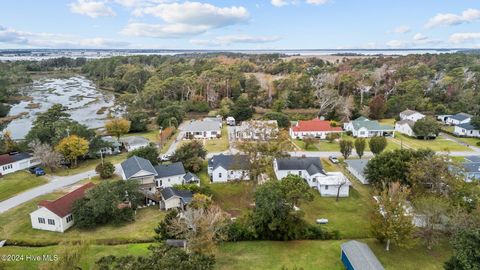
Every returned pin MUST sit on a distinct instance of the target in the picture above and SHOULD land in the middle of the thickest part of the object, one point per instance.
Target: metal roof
(361, 256)
(202, 125)
(358, 165)
(461, 116)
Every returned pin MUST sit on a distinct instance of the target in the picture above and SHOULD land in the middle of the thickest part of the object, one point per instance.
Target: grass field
(15, 183)
(325, 146)
(89, 164)
(470, 141)
(151, 135)
(16, 227)
(321, 255)
(438, 144)
(218, 145)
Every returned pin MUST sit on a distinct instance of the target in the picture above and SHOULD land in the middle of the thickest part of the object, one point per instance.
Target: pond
(86, 104)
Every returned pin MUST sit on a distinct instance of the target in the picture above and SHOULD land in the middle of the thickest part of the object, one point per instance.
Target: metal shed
(358, 256)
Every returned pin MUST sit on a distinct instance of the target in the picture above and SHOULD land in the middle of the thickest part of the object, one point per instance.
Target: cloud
(91, 9)
(317, 2)
(281, 3)
(458, 38)
(418, 40)
(444, 19)
(419, 37)
(235, 39)
(183, 19)
(402, 29)
(11, 36)
(396, 44)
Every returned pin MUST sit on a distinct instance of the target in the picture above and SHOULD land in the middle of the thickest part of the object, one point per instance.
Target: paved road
(450, 137)
(56, 183)
(177, 140)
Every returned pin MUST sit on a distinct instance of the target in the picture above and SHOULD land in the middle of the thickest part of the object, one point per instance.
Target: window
(231, 172)
(299, 173)
(314, 179)
(69, 218)
(51, 222)
(326, 187)
(219, 175)
(6, 167)
(41, 220)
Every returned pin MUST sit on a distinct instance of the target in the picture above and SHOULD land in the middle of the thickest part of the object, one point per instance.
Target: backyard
(441, 143)
(15, 183)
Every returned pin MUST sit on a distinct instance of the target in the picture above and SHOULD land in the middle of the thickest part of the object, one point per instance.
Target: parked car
(165, 157)
(322, 221)
(333, 159)
(37, 171)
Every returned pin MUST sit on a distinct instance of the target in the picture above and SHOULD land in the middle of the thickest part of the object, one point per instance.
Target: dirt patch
(10, 118)
(33, 105)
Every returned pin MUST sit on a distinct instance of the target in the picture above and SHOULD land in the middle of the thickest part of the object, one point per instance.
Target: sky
(234, 24)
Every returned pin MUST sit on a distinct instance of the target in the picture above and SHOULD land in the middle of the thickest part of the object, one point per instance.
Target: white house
(333, 183)
(175, 199)
(405, 127)
(10, 163)
(169, 175)
(357, 168)
(57, 215)
(459, 118)
(257, 130)
(466, 130)
(315, 128)
(208, 128)
(114, 147)
(363, 127)
(134, 142)
(224, 168)
(142, 170)
(411, 115)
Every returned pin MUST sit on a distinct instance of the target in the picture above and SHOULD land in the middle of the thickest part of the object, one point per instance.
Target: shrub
(105, 170)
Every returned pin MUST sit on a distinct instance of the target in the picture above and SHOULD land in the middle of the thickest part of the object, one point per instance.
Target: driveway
(177, 140)
(450, 137)
(56, 183)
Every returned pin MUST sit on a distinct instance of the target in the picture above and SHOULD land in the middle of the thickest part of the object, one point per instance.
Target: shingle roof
(473, 158)
(135, 164)
(63, 205)
(369, 124)
(314, 125)
(471, 167)
(461, 116)
(134, 140)
(188, 177)
(358, 165)
(166, 170)
(185, 195)
(202, 125)
(467, 126)
(408, 122)
(7, 158)
(361, 256)
(408, 112)
(310, 164)
(229, 162)
(111, 140)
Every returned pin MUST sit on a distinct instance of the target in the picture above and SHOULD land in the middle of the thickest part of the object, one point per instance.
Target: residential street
(174, 144)
(56, 183)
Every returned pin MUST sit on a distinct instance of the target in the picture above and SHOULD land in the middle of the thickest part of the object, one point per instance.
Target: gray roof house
(357, 168)
(175, 198)
(191, 178)
(473, 158)
(208, 128)
(113, 148)
(467, 130)
(310, 168)
(137, 167)
(166, 170)
(459, 118)
(358, 256)
(411, 115)
(471, 170)
(223, 168)
(364, 127)
(134, 142)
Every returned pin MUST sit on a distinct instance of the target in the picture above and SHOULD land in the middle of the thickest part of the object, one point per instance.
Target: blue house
(358, 256)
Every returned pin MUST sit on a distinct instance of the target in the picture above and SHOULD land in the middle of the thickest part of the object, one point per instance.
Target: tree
(278, 105)
(332, 137)
(346, 147)
(466, 250)
(191, 155)
(392, 166)
(475, 121)
(377, 144)
(225, 109)
(377, 107)
(390, 221)
(432, 210)
(309, 141)
(138, 121)
(360, 144)
(242, 110)
(72, 147)
(9, 144)
(149, 153)
(117, 127)
(200, 201)
(426, 127)
(105, 169)
(45, 153)
(326, 97)
(281, 118)
(170, 116)
(296, 189)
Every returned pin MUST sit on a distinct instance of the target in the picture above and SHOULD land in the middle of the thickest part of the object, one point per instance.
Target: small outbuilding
(357, 168)
(358, 256)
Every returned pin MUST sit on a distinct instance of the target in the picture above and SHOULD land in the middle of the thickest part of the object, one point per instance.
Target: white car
(165, 157)
(333, 159)
(322, 221)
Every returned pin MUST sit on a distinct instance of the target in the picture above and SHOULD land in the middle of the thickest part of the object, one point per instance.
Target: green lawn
(151, 135)
(470, 141)
(16, 227)
(438, 144)
(89, 164)
(326, 146)
(218, 145)
(15, 183)
(321, 255)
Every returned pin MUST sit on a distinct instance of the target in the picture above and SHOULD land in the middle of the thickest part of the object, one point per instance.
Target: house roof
(111, 140)
(189, 177)
(410, 123)
(135, 164)
(185, 195)
(134, 140)
(63, 205)
(10, 158)
(361, 256)
(461, 116)
(166, 170)
(229, 162)
(258, 124)
(369, 124)
(467, 126)
(314, 125)
(409, 112)
(473, 158)
(358, 165)
(471, 167)
(202, 125)
(333, 178)
(310, 164)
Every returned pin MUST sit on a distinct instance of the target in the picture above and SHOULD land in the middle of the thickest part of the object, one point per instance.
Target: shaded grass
(17, 182)
(438, 144)
(218, 145)
(325, 146)
(89, 164)
(16, 227)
